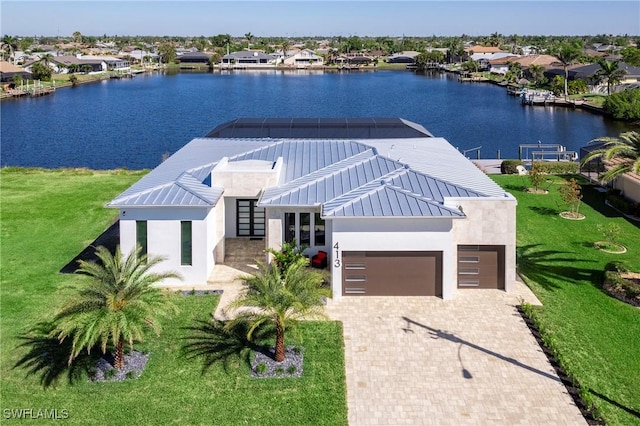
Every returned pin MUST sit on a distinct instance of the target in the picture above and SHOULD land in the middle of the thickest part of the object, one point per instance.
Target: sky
(303, 18)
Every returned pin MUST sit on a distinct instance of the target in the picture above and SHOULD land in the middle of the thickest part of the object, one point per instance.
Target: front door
(249, 219)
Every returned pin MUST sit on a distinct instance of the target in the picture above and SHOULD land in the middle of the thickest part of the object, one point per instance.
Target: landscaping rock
(134, 364)
(290, 367)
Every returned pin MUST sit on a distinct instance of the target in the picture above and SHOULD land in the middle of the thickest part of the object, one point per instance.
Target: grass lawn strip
(48, 217)
(595, 334)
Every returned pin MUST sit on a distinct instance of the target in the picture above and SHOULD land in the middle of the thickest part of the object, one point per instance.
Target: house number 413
(336, 259)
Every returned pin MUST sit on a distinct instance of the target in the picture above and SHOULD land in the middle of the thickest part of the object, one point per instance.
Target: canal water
(132, 123)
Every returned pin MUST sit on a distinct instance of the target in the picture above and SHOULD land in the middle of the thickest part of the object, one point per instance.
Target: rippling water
(132, 123)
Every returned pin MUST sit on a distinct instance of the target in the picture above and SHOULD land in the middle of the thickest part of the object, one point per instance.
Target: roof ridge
(374, 184)
(421, 198)
(140, 193)
(179, 183)
(438, 179)
(386, 186)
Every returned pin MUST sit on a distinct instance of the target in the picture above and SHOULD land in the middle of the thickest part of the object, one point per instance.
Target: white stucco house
(399, 211)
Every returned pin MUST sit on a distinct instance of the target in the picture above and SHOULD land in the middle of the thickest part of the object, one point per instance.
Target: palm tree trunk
(566, 82)
(279, 355)
(118, 361)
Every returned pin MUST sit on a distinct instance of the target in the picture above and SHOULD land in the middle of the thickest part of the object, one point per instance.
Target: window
(185, 243)
(289, 227)
(141, 236)
(305, 229)
(318, 230)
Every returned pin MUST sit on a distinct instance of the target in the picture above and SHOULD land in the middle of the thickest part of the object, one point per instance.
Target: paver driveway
(471, 360)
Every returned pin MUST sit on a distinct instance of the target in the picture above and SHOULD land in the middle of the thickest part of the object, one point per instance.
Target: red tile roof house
(397, 210)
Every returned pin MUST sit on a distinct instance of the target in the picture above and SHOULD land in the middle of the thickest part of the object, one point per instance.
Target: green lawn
(598, 337)
(50, 216)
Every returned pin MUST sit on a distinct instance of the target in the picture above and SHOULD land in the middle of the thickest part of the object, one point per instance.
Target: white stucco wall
(163, 239)
(393, 234)
(629, 184)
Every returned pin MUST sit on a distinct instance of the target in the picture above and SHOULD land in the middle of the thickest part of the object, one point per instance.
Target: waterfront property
(248, 58)
(396, 210)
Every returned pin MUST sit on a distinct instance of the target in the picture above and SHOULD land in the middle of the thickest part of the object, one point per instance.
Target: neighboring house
(546, 61)
(194, 58)
(398, 211)
(62, 64)
(248, 58)
(588, 73)
(304, 59)
(501, 66)
(8, 71)
(138, 55)
(406, 57)
(628, 183)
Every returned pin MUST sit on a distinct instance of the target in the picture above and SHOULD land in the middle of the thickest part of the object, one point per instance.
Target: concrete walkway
(425, 361)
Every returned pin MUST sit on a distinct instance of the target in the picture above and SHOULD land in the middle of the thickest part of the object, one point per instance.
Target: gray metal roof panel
(437, 158)
(389, 201)
(302, 157)
(197, 154)
(334, 183)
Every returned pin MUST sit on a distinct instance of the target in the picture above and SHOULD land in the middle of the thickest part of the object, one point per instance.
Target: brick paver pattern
(425, 361)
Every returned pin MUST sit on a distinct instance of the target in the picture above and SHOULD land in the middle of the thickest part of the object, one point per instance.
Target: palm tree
(625, 149)
(285, 45)
(10, 44)
(567, 54)
(610, 71)
(281, 299)
(249, 37)
(117, 305)
(537, 72)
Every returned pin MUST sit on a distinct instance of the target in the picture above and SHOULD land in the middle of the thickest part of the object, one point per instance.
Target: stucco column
(274, 231)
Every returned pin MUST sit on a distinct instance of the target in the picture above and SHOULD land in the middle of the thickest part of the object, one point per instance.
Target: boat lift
(528, 153)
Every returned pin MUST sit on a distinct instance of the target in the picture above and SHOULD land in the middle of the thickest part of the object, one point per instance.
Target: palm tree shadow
(631, 411)
(548, 267)
(47, 357)
(214, 342)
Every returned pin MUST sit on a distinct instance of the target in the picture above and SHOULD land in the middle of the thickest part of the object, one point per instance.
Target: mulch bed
(570, 383)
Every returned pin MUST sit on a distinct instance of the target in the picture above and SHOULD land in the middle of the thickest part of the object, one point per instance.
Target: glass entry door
(249, 219)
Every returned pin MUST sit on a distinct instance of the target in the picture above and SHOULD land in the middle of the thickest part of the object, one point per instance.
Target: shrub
(279, 371)
(624, 105)
(131, 374)
(288, 254)
(508, 167)
(291, 369)
(616, 266)
(261, 368)
(560, 167)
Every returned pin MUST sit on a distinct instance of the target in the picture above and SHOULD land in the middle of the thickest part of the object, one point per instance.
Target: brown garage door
(387, 273)
(481, 267)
